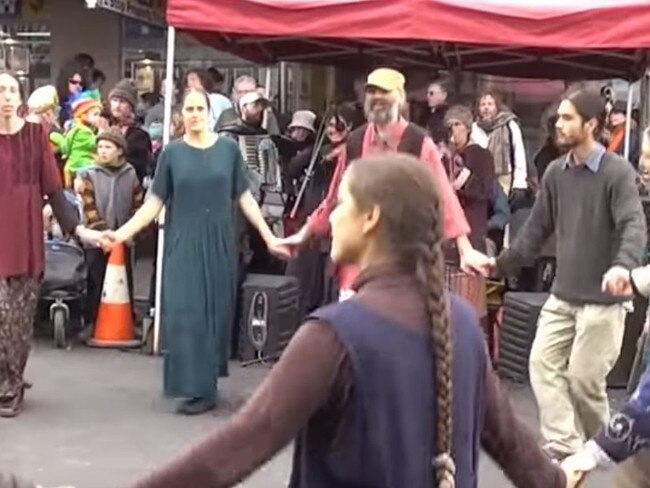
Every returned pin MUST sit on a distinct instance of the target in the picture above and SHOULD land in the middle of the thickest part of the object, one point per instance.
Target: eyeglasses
(75, 82)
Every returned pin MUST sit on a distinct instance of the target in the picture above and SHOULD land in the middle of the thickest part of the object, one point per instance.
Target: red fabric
(28, 172)
(455, 223)
(541, 23)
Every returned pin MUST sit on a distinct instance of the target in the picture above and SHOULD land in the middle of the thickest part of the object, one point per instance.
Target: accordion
(262, 158)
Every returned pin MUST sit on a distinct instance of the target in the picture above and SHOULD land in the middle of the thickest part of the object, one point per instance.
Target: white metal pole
(169, 84)
(628, 120)
(167, 119)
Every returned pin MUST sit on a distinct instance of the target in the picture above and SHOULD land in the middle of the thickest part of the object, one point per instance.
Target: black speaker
(269, 317)
(520, 314)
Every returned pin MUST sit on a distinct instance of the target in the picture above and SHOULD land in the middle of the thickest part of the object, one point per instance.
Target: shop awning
(540, 38)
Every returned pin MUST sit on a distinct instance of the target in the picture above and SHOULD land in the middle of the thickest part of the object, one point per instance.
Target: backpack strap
(354, 144)
(412, 140)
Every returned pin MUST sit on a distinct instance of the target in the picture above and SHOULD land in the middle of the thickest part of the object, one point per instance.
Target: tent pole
(167, 119)
(283, 87)
(628, 120)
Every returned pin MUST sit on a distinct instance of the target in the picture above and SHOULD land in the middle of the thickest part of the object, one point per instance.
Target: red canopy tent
(583, 39)
(539, 39)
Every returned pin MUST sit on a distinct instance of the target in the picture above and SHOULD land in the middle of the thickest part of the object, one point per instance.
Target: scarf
(499, 143)
(617, 139)
(113, 165)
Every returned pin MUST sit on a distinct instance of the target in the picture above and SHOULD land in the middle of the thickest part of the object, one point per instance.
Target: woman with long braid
(366, 386)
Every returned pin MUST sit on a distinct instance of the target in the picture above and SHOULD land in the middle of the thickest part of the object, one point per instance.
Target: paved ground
(96, 419)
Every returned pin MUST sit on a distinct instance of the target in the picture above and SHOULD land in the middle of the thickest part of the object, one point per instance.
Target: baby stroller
(64, 284)
(64, 281)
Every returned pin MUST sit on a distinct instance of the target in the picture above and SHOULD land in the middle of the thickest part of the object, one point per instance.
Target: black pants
(96, 261)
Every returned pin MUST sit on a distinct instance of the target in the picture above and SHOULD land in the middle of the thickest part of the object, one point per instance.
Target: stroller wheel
(59, 320)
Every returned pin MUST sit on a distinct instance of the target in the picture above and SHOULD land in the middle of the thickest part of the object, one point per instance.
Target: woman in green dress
(198, 179)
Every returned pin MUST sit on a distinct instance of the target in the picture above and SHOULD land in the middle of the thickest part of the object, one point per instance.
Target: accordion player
(262, 160)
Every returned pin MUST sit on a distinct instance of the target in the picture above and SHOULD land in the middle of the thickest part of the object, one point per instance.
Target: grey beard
(383, 116)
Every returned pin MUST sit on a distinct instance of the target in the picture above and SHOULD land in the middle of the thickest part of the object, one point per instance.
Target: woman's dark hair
(344, 115)
(68, 70)
(206, 79)
(402, 185)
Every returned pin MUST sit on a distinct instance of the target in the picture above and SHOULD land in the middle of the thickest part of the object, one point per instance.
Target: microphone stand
(309, 174)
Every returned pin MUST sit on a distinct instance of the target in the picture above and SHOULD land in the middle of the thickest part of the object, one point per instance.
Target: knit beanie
(114, 135)
(126, 90)
(85, 101)
(460, 113)
(43, 99)
(588, 103)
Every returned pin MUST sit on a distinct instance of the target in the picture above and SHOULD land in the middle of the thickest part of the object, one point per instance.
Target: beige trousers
(576, 346)
(634, 473)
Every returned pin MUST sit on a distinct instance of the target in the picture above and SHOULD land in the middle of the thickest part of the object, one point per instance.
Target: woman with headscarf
(28, 172)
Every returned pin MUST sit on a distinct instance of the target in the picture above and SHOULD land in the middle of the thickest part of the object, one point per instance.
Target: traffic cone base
(114, 323)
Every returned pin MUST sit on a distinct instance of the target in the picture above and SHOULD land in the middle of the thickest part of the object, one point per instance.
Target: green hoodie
(79, 148)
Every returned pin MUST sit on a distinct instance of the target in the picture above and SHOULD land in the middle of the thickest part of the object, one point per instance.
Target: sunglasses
(75, 82)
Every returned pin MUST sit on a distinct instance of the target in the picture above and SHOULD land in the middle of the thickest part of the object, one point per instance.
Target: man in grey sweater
(589, 199)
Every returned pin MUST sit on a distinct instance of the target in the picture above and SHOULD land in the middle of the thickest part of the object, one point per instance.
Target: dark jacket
(476, 193)
(138, 151)
(434, 122)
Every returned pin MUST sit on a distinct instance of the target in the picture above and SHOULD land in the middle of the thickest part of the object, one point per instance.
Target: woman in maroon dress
(28, 172)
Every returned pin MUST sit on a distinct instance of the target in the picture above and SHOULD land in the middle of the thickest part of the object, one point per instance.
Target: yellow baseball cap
(387, 79)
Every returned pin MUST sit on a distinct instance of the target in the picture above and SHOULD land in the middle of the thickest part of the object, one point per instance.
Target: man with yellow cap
(388, 130)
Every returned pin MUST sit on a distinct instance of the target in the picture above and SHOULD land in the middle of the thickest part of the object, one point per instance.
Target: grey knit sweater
(596, 213)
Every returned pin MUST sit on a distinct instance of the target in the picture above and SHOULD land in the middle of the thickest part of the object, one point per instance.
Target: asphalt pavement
(96, 419)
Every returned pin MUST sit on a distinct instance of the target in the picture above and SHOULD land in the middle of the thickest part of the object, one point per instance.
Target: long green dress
(199, 188)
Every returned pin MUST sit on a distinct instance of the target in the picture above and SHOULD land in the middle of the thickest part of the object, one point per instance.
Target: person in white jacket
(498, 130)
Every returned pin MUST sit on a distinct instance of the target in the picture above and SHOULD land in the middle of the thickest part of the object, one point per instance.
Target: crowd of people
(389, 207)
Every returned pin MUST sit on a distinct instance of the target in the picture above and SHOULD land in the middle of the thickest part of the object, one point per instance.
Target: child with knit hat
(43, 108)
(111, 194)
(80, 142)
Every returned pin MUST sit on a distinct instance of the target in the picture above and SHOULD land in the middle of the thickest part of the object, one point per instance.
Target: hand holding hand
(279, 248)
(617, 281)
(577, 466)
(473, 262)
(293, 243)
(89, 236)
(108, 240)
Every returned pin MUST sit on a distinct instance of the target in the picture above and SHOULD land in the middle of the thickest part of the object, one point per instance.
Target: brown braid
(432, 277)
(411, 228)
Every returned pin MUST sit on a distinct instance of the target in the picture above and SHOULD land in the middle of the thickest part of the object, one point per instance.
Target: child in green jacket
(80, 144)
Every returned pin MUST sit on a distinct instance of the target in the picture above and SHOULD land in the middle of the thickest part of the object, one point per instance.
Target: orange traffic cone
(114, 324)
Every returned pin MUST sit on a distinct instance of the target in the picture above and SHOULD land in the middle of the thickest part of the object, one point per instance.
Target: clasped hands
(104, 239)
